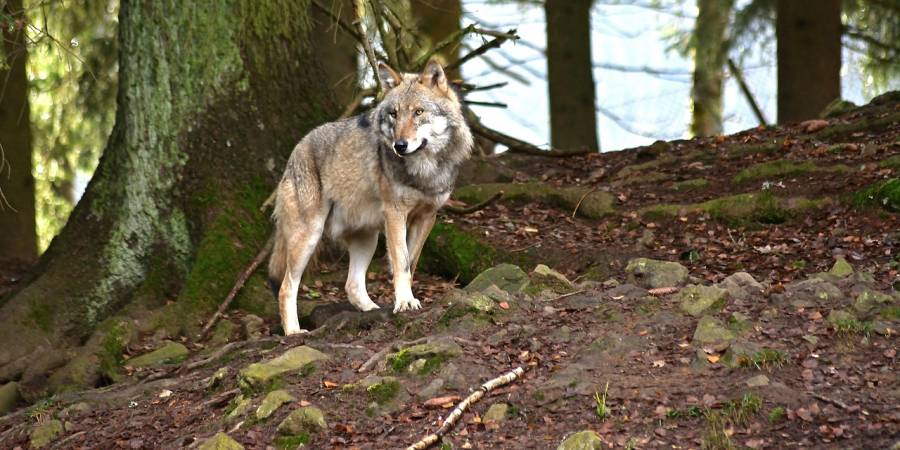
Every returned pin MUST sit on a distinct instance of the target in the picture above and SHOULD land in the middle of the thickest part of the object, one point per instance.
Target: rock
(382, 390)
(259, 375)
(650, 274)
(697, 299)
(740, 352)
(215, 380)
(222, 334)
(241, 406)
(308, 419)
(583, 440)
(272, 402)
(841, 268)
(9, 397)
(432, 354)
(496, 413)
(45, 433)
(811, 292)
(838, 316)
(711, 331)
(221, 441)
(757, 381)
(507, 277)
(739, 322)
(627, 292)
(836, 108)
(544, 278)
(431, 390)
(253, 326)
(75, 409)
(867, 301)
(169, 353)
(741, 286)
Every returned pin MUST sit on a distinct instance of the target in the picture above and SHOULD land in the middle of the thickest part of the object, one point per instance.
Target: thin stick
(836, 402)
(457, 412)
(746, 91)
(566, 295)
(383, 352)
(367, 46)
(237, 287)
(493, 43)
(476, 207)
(578, 205)
(487, 104)
(338, 21)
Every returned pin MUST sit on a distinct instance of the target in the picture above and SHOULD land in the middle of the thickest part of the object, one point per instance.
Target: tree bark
(212, 98)
(710, 47)
(573, 123)
(809, 57)
(335, 50)
(18, 235)
(439, 19)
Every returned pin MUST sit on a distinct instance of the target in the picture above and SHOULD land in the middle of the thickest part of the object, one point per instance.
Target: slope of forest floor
(772, 325)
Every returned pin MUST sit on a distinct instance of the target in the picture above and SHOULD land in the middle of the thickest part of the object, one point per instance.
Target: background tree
(18, 238)
(172, 211)
(809, 57)
(710, 43)
(438, 20)
(573, 122)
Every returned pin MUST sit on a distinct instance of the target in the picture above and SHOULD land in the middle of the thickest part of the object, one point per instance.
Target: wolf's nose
(400, 145)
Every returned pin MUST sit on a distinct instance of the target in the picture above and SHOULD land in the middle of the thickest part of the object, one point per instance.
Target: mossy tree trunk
(570, 77)
(809, 57)
(212, 98)
(18, 236)
(710, 51)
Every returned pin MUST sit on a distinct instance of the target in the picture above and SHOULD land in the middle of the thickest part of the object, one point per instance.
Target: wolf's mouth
(409, 151)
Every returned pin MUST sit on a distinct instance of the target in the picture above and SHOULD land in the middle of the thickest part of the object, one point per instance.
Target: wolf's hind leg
(362, 247)
(301, 244)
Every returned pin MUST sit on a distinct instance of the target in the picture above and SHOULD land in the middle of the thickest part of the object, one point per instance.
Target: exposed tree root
(475, 207)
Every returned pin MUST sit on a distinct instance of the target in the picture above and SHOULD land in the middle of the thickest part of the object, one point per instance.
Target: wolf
(390, 168)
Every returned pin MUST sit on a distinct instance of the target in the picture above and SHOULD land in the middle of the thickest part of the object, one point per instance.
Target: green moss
(112, 347)
(853, 326)
(689, 185)
(452, 252)
(383, 392)
(783, 168)
(291, 442)
(591, 203)
(740, 151)
(890, 312)
(777, 414)
(761, 207)
(41, 313)
(892, 162)
(884, 194)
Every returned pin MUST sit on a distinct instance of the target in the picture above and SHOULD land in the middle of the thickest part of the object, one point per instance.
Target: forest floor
(773, 324)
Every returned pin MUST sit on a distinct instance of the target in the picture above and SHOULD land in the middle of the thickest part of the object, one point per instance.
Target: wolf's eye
(393, 114)
(419, 111)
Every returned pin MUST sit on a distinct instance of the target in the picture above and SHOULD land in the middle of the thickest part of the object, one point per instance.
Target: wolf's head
(419, 112)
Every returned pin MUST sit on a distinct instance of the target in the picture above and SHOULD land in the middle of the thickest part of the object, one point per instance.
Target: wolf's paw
(364, 303)
(292, 330)
(406, 303)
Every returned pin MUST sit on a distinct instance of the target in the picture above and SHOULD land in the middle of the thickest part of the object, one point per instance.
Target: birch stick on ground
(457, 412)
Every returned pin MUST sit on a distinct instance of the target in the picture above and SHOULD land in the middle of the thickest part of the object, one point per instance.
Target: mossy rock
(9, 397)
(710, 331)
(272, 402)
(811, 292)
(496, 413)
(741, 209)
(543, 278)
(583, 440)
(259, 376)
(383, 391)
(432, 356)
(869, 301)
(221, 441)
(507, 277)
(783, 168)
(841, 268)
(650, 273)
(884, 194)
(44, 433)
(698, 299)
(840, 316)
(837, 107)
(307, 419)
(594, 204)
(239, 406)
(169, 353)
(741, 286)
(450, 251)
(740, 353)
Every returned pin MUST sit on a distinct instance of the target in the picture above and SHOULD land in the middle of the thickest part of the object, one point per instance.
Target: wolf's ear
(389, 77)
(433, 76)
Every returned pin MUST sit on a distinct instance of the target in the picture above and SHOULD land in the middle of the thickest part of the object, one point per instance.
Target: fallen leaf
(304, 403)
(329, 384)
(659, 363)
(165, 393)
(503, 305)
(713, 358)
(804, 414)
(662, 291)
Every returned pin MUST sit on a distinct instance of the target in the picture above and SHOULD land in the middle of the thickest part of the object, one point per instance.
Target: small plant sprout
(600, 403)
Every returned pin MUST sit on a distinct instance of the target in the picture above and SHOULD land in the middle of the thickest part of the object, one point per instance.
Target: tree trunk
(809, 57)
(573, 123)
(439, 19)
(709, 65)
(335, 50)
(212, 98)
(18, 235)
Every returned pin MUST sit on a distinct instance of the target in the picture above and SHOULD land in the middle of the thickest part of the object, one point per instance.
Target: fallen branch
(830, 400)
(237, 287)
(366, 366)
(457, 412)
(475, 207)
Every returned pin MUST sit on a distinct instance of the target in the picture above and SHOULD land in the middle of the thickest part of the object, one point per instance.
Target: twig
(338, 20)
(830, 400)
(580, 200)
(488, 104)
(476, 207)
(457, 412)
(366, 366)
(493, 43)
(581, 291)
(367, 46)
(440, 46)
(468, 87)
(237, 287)
(522, 249)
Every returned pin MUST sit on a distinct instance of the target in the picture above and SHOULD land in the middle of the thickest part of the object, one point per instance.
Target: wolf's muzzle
(401, 147)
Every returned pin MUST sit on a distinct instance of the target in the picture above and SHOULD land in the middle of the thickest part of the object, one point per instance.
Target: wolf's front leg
(395, 232)
(361, 247)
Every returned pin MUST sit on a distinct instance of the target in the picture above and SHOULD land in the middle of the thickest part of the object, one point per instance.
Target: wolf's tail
(277, 262)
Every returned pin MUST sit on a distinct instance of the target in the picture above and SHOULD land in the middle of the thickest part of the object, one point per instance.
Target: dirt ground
(605, 353)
